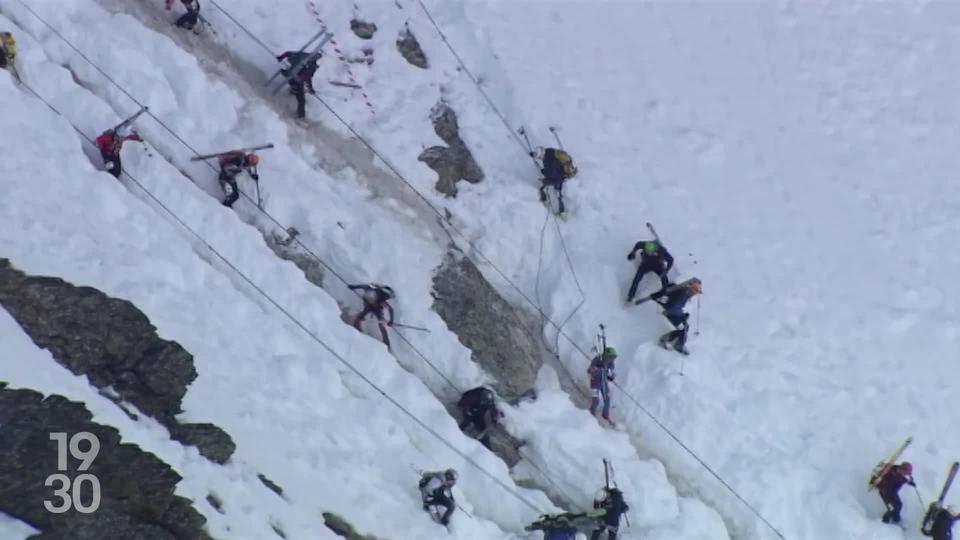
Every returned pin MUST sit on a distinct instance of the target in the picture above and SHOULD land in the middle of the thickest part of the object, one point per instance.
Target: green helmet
(650, 247)
(610, 352)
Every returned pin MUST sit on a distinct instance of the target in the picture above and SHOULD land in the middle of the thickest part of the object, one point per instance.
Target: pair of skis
(205, 157)
(937, 506)
(884, 467)
(126, 123)
(315, 46)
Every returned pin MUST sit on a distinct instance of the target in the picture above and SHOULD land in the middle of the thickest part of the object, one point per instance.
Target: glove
(255, 176)
(531, 154)
(285, 65)
(611, 377)
(390, 323)
(631, 256)
(912, 483)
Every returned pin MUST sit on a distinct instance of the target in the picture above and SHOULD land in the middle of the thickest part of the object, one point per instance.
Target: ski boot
(664, 343)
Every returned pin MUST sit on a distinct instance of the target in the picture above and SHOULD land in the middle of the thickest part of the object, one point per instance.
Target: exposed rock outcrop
(410, 49)
(502, 338)
(453, 162)
(113, 343)
(342, 528)
(363, 29)
(136, 489)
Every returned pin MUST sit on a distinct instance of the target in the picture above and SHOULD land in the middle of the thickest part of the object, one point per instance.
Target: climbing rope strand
(663, 427)
(702, 463)
(269, 216)
(276, 222)
(303, 327)
(400, 176)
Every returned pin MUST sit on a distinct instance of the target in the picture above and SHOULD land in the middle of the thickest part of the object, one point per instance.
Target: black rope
(499, 114)
(277, 223)
(302, 326)
(252, 200)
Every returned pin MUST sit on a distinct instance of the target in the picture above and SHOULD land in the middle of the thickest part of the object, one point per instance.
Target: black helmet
(450, 475)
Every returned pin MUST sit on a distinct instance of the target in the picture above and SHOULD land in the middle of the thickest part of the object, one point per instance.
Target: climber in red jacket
(109, 143)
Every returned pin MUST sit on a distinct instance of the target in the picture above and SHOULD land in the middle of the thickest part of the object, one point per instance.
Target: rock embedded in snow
(455, 161)
(136, 488)
(410, 49)
(113, 343)
(363, 29)
(488, 325)
(213, 443)
(342, 528)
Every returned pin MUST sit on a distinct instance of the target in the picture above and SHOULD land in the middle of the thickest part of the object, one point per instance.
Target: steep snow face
(296, 414)
(801, 151)
(805, 154)
(95, 233)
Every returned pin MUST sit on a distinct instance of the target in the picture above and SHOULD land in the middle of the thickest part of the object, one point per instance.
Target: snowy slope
(261, 378)
(272, 408)
(801, 151)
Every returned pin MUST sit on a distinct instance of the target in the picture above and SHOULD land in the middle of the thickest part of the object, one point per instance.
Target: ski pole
(259, 199)
(412, 327)
(919, 498)
(682, 358)
(557, 137)
(696, 330)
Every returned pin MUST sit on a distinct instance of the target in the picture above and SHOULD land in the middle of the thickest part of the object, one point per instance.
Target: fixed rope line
(701, 462)
(273, 219)
(500, 115)
(429, 204)
(469, 73)
(310, 333)
(479, 254)
(543, 314)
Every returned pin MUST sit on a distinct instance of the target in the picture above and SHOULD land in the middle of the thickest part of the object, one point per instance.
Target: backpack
(427, 477)
(569, 169)
(9, 44)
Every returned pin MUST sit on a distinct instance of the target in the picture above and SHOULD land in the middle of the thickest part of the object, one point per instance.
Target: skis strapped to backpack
(927, 527)
(668, 290)
(880, 470)
(315, 45)
(130, 120)
(244, 150)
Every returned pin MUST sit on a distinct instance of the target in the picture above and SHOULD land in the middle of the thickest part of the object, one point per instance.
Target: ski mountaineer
(653, 258)
(609, 505)
(231, 164)
(189, 19)
(375, 299)
(943, 520)
(301, 82)
(601, 372)
(8, 49)
(436, 489)
(110, 142)
(674, 299)
(480, 409)
(556, 526)
(889, 488)
(557, 167)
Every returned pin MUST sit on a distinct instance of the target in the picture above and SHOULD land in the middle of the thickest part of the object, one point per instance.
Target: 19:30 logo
(70, 490)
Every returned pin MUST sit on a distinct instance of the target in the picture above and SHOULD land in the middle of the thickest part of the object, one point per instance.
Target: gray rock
(110, 341)
(343, 528)
(137, 489)
(287, 249)
(271, 485)
(503, 340)
(363, 29)
(410, 49)
(453, 162)
(213, 443)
